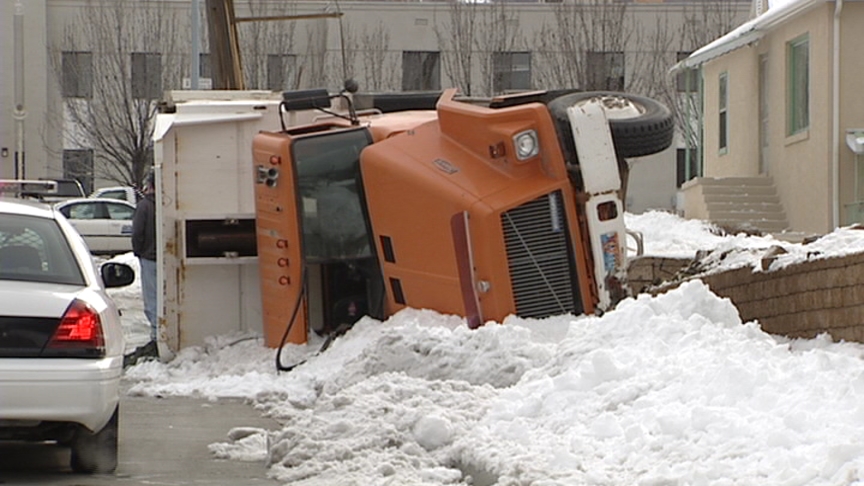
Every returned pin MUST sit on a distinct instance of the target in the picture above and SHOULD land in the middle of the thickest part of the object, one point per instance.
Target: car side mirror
(116, 274)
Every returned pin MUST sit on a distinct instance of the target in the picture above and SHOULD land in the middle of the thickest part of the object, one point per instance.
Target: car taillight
(79, 333)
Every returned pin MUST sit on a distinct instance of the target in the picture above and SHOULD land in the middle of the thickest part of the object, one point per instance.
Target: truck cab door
(278, 235)
(316, 256)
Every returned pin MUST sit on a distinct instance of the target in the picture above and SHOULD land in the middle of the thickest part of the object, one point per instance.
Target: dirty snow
(666, 390)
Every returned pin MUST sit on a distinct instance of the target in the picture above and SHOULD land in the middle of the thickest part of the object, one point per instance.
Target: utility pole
(20, 113)
(196, 45)
(225, 45)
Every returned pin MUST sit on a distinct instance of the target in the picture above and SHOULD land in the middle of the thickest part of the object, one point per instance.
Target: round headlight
(526, 144)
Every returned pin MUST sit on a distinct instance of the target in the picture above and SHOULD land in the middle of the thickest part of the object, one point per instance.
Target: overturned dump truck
(512, 207)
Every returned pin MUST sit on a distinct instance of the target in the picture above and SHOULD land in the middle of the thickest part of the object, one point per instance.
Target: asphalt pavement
(163, 442)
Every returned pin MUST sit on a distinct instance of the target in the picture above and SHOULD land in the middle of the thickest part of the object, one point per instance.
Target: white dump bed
(204, 182)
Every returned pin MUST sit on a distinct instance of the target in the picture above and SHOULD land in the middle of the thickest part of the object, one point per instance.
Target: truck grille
(538, 254)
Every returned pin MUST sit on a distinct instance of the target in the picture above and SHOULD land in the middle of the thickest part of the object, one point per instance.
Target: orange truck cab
(483, 211)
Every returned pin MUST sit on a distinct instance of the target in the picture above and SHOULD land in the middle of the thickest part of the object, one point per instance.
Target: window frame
(146, 75)
(723, 113)
(205, 67)
(325, 240)
(278, 76)
(77, 74)
(78, 164)
(601, 67)
(429, 77)
(510, 72)
(686, 81)
(798, 86)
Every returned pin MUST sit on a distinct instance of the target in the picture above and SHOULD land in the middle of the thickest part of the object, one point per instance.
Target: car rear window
(35, 249)
(118, 194)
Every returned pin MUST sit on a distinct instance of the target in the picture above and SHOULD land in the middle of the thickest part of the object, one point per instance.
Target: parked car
(105, 224)
(61, 340)
(123, 193)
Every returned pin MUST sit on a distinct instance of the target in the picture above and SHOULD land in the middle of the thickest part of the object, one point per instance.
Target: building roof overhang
(747, 33)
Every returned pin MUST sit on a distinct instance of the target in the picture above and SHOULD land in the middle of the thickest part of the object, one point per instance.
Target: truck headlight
(527, 145)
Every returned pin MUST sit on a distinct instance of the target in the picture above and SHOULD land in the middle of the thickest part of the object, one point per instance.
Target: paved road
(163, 442)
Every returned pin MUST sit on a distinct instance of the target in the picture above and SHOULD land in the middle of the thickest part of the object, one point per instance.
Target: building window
(605, 71)
(146, 75)
(797, 88)
(280, 71)
(204, 69)
(723, 108)
(204, 73)
(77, 70)
(687, 79)
(421, 71)
(687, 165)
(511, 71)
(78, 165)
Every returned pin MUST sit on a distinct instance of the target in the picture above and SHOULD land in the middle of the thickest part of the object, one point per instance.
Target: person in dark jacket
(144, 247)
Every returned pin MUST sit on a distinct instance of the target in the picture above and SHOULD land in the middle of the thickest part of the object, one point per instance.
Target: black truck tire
(644, 127)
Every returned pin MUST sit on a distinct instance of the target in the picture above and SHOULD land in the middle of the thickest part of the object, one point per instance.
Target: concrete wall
(802, 301)
(823, 296)
(646, 273)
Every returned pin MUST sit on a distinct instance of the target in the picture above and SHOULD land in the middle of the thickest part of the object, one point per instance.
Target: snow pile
(666, 390)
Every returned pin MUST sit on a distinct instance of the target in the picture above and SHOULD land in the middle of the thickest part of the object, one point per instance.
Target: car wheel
(96, 452)
(640, 126)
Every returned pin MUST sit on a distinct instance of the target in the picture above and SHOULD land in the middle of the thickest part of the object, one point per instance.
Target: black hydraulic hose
(279, 366)
(327, 341)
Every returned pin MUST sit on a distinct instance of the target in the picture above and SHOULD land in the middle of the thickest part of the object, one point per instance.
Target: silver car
(61, 341)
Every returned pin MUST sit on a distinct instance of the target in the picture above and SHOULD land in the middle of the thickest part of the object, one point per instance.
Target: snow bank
(668, 390)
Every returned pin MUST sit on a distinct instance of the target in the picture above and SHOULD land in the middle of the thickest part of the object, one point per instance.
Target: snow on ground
(666, 390)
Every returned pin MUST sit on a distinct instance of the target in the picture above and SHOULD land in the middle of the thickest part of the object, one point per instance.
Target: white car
(61, 340)
(123, 193)
(105, 224)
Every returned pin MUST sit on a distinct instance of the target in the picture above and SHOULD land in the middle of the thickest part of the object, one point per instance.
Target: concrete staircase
(737, 204)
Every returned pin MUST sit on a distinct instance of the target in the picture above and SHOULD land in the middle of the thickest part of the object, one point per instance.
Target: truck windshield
(327, 168)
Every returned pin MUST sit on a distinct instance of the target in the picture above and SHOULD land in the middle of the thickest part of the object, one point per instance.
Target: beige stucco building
(387, 46)
(780, 94)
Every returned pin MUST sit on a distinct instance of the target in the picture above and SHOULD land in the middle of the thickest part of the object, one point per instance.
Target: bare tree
(703, 21)
(115, 60)
(585, 45)
(652, 58)
(314, 63)
(498, 34)
(267, 46)
(706, 20)
(379, 62)
(341, 66)
(457, 39)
